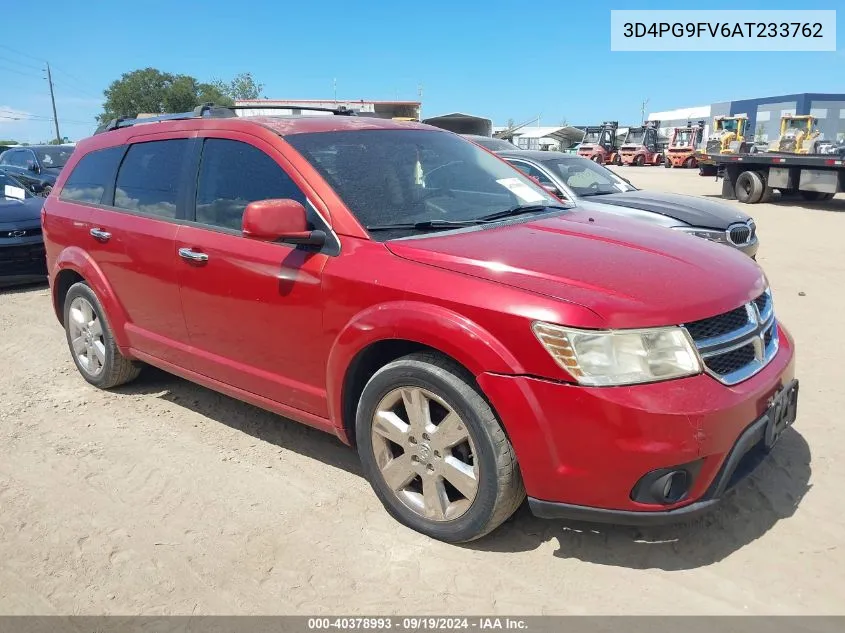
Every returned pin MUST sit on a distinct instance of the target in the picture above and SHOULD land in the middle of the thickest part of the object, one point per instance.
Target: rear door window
(149, 180)
(92, 176)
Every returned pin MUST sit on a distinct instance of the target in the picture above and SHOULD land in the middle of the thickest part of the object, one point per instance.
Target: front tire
(433, 450)
(92, 345)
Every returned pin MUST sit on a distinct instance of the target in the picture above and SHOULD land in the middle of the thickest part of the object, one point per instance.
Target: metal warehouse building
(764, 114)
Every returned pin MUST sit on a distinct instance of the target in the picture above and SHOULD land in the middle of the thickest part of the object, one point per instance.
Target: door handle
(100, 235)
(192, 255)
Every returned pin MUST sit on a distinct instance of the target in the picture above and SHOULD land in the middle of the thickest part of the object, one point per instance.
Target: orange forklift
(682, 147)
(600, 143)
(641, 146)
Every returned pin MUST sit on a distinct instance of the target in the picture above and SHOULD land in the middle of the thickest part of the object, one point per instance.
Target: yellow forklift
(798, 135)
(726, 137)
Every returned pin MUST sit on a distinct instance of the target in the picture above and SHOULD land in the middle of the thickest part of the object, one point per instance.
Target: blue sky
(497, 59)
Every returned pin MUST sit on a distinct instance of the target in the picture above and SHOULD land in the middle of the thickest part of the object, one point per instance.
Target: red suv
(410, 292)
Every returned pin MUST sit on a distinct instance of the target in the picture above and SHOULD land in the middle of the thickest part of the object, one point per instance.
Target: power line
(19, 63)
(76, 79)
(21, 53)
(17, 72)
(68, 86)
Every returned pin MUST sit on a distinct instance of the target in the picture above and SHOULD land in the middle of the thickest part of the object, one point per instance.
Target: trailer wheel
(690, 163)
(749, 187)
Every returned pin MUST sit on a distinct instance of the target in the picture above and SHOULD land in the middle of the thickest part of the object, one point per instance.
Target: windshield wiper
(423, 226)
(453, 224)
(519, 210)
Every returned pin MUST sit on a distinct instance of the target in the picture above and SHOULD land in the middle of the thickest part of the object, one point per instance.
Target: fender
(431, 325)
(75, 259)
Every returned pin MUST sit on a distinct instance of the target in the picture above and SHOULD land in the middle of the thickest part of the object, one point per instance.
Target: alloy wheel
(86, 336)
(425, 453)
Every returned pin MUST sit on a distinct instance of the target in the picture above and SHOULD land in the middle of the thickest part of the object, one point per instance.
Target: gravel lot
(165, 498)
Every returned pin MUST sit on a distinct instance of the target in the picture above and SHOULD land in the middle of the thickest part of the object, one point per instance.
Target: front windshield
(12, 189)
(796, 125)
(635, 137)
(729, 125)
(54, 156)
(590, 138)
(389, 177)
(587, 178)
(684, 138)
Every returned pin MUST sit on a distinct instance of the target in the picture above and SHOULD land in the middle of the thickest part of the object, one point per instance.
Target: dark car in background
(575, 178)
(22, 258)
(36, 166)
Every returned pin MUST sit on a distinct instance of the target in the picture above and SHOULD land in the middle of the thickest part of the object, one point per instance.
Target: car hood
(691, 210)
(26, 211)
(628, 272)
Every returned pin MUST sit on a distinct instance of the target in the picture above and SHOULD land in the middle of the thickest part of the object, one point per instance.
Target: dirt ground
(165, 498)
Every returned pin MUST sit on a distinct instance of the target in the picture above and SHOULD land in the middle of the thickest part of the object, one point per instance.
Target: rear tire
(749, 187)
(418, 455)
(638, 161)
(667, 164)
(598, 159)
(690, 163)
(91, 342)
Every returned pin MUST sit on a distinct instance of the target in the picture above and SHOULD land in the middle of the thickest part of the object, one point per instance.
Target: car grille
(718, 325)
(714, 146)
(28, 259)
(741, 233)
(4, 235)
(737, 344)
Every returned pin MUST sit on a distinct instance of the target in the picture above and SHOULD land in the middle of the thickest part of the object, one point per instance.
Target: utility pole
(53, 100)
(642, 110)
(419, 96)
(334, 86)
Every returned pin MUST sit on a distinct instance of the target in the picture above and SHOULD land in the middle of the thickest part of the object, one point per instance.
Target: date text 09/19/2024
(423, 623)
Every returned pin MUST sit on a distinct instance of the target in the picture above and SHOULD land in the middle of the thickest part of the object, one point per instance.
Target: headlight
(620, 357)
(708, 234)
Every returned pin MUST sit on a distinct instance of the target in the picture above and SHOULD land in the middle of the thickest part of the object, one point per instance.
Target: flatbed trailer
(752, 178)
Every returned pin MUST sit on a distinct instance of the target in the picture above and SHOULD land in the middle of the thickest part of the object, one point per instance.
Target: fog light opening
(672, 487)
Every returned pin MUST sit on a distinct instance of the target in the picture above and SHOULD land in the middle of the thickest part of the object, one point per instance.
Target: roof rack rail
(213, 111)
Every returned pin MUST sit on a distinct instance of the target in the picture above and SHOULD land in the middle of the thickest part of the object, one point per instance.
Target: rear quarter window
(92, 176)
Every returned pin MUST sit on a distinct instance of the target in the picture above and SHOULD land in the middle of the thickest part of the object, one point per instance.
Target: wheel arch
(74, 265)
(384, 333)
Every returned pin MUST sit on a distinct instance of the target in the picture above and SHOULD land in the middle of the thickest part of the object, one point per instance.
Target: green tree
(152, 91)
(243, 86)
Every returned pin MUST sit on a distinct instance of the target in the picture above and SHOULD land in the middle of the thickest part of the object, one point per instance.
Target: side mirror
(280, 220)
(33, 167)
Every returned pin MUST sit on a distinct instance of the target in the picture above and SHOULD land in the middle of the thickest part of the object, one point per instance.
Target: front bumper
(22, 260)
(582, 450)
(750, 248)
